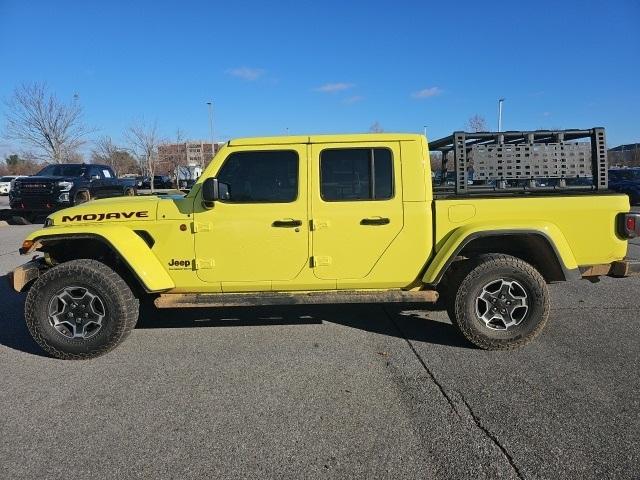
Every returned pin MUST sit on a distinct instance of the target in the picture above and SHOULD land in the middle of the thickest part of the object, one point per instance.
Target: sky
(272, 68)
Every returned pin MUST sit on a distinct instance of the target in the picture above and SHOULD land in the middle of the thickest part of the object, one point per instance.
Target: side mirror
(213, 190)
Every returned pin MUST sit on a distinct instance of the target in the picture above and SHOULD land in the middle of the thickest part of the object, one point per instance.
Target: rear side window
(261, 177)
(356, 174)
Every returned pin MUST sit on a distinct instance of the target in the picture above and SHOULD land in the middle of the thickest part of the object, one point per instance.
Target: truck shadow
(413, 322)
(13, 330)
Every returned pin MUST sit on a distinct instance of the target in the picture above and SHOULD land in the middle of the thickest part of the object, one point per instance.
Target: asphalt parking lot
(327, 392)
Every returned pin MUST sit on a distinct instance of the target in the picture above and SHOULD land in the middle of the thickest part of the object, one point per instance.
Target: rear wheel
(80, 309)
(129, 192)
(501, 303)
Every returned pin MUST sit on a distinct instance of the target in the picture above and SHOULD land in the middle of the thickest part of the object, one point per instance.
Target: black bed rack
(517, 161)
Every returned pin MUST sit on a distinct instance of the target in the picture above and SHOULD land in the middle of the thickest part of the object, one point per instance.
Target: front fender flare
(130, 247)
(460, 237)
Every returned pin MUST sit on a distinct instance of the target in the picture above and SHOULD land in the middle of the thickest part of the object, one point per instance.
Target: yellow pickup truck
(340, 219)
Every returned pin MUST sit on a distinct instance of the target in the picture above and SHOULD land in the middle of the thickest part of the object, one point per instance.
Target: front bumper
(26, 273)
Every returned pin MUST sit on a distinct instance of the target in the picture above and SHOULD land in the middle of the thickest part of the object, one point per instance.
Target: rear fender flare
(462, 236)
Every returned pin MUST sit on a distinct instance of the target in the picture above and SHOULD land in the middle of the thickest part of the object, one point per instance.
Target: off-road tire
(129, 192)
(449, 285)
(81, 197)
(120, 309)
(479, 272)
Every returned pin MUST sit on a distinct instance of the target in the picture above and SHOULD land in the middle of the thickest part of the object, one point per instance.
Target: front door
(260, 233)
(99, 187)
(356, 209)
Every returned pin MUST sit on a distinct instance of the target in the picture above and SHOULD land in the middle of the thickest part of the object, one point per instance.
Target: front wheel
(80, 309)
(81, 197)
(501, 303)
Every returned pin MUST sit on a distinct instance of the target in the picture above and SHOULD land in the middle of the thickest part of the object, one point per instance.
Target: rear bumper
(617, 269)
(625, 268)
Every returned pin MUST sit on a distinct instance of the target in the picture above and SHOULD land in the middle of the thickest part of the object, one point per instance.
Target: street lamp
(425, 130)
(213, 151)
(500, 102)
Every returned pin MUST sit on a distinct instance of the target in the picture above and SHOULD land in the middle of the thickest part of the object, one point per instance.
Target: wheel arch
(546, 249)
(81, 190)
(130, 250)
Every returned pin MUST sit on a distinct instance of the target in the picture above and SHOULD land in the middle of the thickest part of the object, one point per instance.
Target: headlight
(63, 197)
(65, 186)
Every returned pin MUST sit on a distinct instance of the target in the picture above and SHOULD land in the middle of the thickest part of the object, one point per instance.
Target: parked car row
(159, 181)
(626, 180)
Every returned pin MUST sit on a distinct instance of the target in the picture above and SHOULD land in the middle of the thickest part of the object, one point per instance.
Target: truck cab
(289, 212)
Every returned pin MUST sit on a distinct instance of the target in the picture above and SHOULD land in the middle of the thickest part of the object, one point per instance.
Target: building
(187, 159)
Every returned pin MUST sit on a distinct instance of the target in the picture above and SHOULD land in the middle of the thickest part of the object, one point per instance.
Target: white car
(5, 184)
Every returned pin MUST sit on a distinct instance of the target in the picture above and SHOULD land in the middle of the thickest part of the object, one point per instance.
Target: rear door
(356, 206)
(112, 186)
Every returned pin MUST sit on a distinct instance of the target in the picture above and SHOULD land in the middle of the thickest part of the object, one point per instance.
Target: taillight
(629, 226)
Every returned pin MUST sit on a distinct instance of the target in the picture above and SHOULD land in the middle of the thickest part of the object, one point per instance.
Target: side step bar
(185, 300)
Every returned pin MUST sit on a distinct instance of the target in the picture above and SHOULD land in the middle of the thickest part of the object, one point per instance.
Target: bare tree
(376, 127)
(106, 152)
(144, 140)
(39, 120)
(477, 123)
(175, 157)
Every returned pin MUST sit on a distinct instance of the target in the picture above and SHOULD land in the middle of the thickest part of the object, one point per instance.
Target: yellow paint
(461, 212)
(234, 247)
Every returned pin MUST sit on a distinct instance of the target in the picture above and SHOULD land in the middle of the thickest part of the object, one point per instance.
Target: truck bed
(585, 223)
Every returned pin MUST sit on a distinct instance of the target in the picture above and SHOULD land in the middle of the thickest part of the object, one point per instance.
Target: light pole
(425, 130)
(500, 102)
(213, 149)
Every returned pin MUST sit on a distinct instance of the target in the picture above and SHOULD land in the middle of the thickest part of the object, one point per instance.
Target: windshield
(6, 179)
(62, 171)
(624, 174)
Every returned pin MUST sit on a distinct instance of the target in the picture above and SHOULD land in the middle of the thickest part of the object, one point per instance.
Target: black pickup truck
(65, 185)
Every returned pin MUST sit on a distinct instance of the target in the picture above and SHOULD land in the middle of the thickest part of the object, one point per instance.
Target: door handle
(375, 221)
(288, 223)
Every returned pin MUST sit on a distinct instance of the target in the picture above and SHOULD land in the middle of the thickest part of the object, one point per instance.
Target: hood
(108, 210)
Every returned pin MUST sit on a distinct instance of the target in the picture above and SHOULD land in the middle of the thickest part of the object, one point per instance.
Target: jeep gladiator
(338, 219)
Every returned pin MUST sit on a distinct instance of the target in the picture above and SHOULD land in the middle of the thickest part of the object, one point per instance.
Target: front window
(261, 177)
